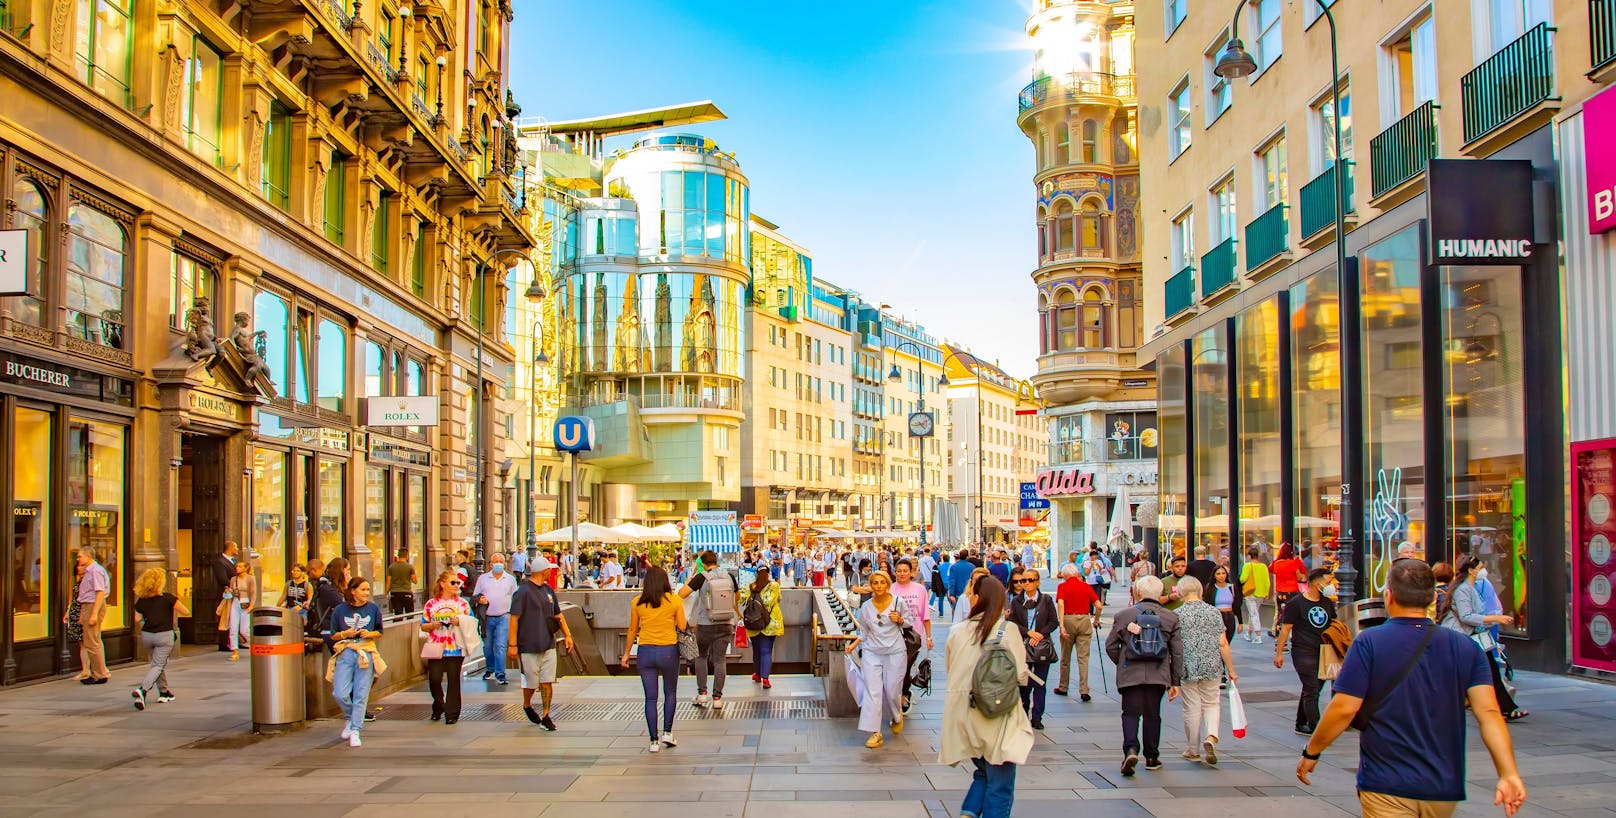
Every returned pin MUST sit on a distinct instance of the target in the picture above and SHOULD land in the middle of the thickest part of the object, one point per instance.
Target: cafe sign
(408, 410)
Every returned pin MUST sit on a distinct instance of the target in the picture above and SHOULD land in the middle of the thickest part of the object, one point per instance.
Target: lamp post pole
(480, 519)
(976, 372)
(539, 359)
(920, 408)
(1237, 62)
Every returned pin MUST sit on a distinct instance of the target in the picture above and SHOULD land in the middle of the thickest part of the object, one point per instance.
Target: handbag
(431, 649)
(687, 645)
(1483, 637)
(1042, 653)
(1329, 662)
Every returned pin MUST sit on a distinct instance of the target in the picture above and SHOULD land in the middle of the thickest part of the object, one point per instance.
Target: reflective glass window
(1485, 449)
(1209, 377)
(96, 492)
(1394, 420)
(96, 254)
(1172, 390)
(333, 365)
(335, 206)
(103, 45)
(1315, 363)
(202, 100)
(374, 385)
(332, 478)
(270, 487)
(272, 318)
(303, 356)
(188, 280)
(276, 166)
(1258, 404)
(31, 512)
(31, 214)
(376, 521)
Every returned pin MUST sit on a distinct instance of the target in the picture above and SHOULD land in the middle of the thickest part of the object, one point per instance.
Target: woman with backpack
(760, 614)
(983, 721)
(881, 623)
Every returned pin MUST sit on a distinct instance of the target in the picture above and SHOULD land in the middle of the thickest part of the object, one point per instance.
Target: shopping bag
(1237, 712)
(855, 680)
(740, 636)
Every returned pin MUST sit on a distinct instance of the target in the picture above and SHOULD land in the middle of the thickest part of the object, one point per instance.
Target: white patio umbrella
(667, 532)
(639, 532)
(587, 532)
(1120, 535)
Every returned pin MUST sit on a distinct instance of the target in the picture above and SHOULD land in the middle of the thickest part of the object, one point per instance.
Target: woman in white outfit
(881, 620)
(243, 593)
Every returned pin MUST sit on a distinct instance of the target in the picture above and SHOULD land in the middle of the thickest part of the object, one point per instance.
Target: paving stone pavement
(71, 750)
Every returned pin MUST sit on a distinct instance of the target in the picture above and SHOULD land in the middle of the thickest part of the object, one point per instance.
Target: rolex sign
(411, 410)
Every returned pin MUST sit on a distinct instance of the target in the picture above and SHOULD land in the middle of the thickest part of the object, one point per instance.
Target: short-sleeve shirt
(1256, 574)
(1284, 572)
(1309, 619)
(1414, 745)
(156, 612)
(535, 606)
(1075, 596)
(398, 577)
(1001, 572)
(95, 579)
(1200, 627)
(443, 612)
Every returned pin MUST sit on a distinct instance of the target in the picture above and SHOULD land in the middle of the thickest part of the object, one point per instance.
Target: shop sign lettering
(211, 405)
(409, 410)
(25, 511)
(1480, 211)
(1064, 482)
(1484, 248)
(38, 374)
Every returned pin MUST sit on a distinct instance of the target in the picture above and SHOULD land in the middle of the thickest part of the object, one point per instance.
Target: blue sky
(881, 136)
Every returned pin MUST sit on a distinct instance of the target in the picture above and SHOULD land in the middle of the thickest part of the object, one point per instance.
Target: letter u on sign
(575, 434)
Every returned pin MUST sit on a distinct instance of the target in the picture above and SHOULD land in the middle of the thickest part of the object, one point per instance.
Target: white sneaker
(718, 704)
(1258, 640)
(667, 738)
(353, 740)
(701, 700)
(654, 748)
(347, 731)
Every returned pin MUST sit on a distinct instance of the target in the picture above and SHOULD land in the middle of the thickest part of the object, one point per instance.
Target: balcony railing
(1509, 83)
(1602, 33)
(1179, 293)
(1074, 85)
(1401, 152)
(1267, 236)
(1317, 215)
(1217, 268)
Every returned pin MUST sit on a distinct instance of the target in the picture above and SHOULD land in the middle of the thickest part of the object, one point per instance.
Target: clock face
(920, 424)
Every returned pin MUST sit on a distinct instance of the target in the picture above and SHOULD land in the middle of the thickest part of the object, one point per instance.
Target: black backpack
(754, 614)
(1148, 645)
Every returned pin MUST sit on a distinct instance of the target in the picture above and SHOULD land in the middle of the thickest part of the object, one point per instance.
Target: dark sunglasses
(457, 584)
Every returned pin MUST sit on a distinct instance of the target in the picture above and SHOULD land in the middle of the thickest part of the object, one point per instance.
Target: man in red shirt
(1079, 609)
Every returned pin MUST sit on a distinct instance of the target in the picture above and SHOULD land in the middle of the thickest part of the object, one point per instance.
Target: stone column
(153, 482)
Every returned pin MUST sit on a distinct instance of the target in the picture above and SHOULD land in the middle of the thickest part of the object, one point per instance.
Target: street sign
(13, 262)
(1030, 499)
(575, 434)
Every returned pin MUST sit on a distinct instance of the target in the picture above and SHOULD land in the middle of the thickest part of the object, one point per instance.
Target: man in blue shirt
(1412, 749)
(959, 575)
(998, 567)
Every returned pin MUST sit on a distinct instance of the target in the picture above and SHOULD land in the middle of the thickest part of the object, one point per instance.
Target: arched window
(1066, 321)
(331, 368)
(1040, 148)
(272, 318)
(32, 214)
(1043, 323)
(95, 267)
(1093, 227)
(1064, 233)
(1063, 144)
(1091, 141)
(1094, 320)
(1043, 239)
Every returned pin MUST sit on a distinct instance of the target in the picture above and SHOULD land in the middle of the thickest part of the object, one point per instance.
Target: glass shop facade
(1462, 416)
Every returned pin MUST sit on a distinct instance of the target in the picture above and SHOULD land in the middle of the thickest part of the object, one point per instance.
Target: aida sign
(1480, 211)
(1065, 482)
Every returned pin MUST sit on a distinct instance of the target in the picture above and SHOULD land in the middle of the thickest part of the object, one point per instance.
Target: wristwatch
(1310, 756)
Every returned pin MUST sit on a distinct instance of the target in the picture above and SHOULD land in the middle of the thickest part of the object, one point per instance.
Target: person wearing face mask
(494, 591)
(1464, 611)
(1305, 618)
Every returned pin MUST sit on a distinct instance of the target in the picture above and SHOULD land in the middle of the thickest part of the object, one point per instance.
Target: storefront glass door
(31, 599)
(95, 502)
(376, 523)
(415, 526)
(268, 536)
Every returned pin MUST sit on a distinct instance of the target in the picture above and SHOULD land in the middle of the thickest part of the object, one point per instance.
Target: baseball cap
(541, 563)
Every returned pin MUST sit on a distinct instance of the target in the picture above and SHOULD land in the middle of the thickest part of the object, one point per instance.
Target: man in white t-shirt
(611, 574)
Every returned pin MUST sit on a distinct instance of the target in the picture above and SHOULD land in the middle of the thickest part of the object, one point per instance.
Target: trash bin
(1368, 613)
(277, 669)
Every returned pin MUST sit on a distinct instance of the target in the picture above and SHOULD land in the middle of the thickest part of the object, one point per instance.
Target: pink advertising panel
(1599, 159)
(1593, 564)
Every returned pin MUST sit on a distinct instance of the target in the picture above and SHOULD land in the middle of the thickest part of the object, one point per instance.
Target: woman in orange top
(1289, 574)
(655, 620)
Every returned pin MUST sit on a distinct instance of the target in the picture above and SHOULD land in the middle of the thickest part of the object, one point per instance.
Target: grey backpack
(718, 595)
(995, 681)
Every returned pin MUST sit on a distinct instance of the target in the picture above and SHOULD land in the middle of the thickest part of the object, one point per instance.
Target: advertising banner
(1599, 160)
(405, 410)
(1593, 529)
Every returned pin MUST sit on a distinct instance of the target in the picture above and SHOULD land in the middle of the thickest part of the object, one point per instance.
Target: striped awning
(716, 537)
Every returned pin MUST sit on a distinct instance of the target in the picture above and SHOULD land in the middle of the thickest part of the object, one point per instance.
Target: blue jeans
(763, 653)
(659, 661)
(992, 792)
(350, 686)
(494, 644)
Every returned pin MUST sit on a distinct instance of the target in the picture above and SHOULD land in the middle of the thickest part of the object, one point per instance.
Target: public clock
(920, 424)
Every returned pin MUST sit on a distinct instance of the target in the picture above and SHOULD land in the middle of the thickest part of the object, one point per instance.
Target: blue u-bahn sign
(575, 434)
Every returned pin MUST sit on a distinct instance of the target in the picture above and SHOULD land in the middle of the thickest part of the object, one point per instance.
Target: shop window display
(30, 527)
(1258, 407)
(95, 502)
(1315, 361)
(1483, 374)
(332, 480)
(1394, 430)
(1209, 379)
(270, 488)
(1174, 462)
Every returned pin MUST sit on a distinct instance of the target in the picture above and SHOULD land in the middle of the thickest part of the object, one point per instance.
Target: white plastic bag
(1237, 713)
(855, 679)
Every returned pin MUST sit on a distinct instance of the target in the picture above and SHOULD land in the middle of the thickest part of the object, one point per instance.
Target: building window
(188, 280)
(96, 255)
(201, 102)
(1183, 240)
(418, 264)
(1093, 320)
(1266, 21)
(1219, 94)
(1506, 21)
(1175, 10)
(305, 348)
(333, 366)
(1178, 118)
(1065, 227)
(1223, 224)
(1271, 170)
(96, 493)
(1093, 227)
(1091, 141)
(375, 381)
(1066, 321)
(32, 214)
(1408, 69)
(384, 36)
(1257, 407)
(1209, 375)
(272, 318)
(1063, 143)
(380, 232)
(1315, 397)
(103, 47)
(1311, 12)
(335, 209)
(1323, 117)
(277, 159)
(1122, 139)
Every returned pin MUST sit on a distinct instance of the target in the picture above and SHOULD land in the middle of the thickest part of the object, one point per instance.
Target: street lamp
(1234, 62)
(437, 118)
(478, 522)
(539, 359)
(403, 37)
(921, 426)
(976, 371)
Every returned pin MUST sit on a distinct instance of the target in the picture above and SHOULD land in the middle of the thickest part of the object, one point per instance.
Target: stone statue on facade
(200, 342)
(251, 346)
